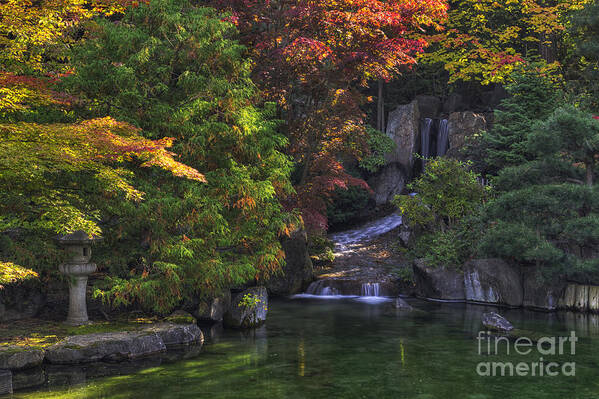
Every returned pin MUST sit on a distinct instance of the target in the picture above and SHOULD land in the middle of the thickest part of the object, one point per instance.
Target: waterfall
(371, 289)
(425, 140)
(443, 138)
(319, 288)
(340, 288)
(354, 287)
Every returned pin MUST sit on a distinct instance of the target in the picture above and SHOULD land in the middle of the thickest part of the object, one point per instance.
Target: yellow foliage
(27, 27)
(11, 273)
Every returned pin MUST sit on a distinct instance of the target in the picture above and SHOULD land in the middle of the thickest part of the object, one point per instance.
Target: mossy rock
(20, 357)
(113, 346)
(181, 317)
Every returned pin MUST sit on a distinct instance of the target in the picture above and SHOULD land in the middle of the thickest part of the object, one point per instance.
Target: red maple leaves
(313, 57)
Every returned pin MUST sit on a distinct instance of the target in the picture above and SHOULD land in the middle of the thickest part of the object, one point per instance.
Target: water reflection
(345, 349)
(301, 353)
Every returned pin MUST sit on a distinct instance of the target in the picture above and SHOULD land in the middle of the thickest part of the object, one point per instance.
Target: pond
(346, 348)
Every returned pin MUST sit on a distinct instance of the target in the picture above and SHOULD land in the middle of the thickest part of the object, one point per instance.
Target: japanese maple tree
(485, 40)
(313, 57)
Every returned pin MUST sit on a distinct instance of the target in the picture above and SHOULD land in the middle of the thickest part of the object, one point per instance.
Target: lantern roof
(78, 237)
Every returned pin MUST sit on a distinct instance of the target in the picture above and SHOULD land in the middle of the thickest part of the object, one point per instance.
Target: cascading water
(443, 137)
(370, 292)
(344, 241)
(371, 289)
(425, 140)
(321, 288)
(434, 139)
(338, 288)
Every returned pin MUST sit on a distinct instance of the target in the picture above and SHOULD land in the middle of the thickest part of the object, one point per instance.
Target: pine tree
(532, 96)
(547, 210)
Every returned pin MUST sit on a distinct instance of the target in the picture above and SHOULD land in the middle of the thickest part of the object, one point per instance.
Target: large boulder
(540, 291)
(403, 128)
(402, 305)
(114, 346)
(496, 322)
(298, 271)
(212, 310)
(492, 281)
(177, 335)
(463, 125)
(429, 106)
(388, 182)
(15, 357)
(408, 232)
(248, 309)
(438, 282)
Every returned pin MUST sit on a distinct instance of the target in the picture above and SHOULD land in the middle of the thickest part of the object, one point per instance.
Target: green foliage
(446, 192)
(176, 70)
(444, 212)
(49, 170)
(438, 249)
(346, 204)
(249, 301)
(532, 96)
(545, 212)
(570, 136)
(165, 70)
(405, 274)
(450, 248)
(517, 241)
(587, 21)
(379, 144)
(585, 33)
(320, 248)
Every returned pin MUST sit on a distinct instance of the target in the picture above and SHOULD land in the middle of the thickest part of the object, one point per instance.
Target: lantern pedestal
(78, 268)
(77, 274)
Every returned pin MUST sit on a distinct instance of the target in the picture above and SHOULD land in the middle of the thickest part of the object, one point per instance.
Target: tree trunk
(590, 173)
(380, 118)
(306, 168)
(537, 261)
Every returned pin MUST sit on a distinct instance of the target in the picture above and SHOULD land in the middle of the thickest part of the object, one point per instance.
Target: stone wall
(20, 301)
(580, 297)
(493, 281)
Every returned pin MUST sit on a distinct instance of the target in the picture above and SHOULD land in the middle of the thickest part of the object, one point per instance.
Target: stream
(344, 241)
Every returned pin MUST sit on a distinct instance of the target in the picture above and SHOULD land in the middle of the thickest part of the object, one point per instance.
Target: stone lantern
(77, 268)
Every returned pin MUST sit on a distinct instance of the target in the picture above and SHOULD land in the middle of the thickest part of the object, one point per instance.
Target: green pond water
(343, 348)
